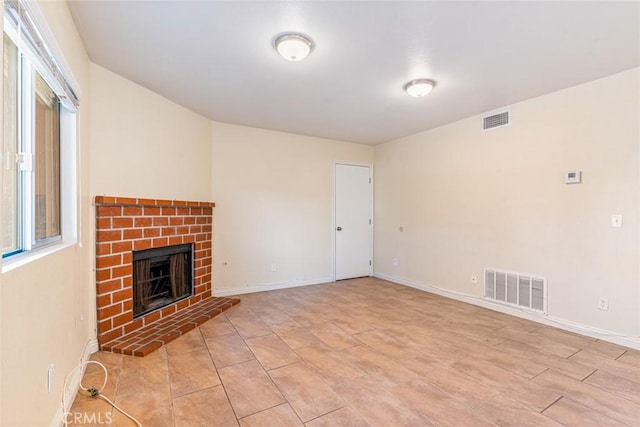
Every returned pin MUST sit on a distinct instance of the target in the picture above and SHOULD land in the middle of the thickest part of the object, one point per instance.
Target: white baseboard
(249, 289)
(74, 383)
(627, 341)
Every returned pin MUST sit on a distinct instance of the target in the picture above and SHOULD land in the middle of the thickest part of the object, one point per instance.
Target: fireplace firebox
(161, 276)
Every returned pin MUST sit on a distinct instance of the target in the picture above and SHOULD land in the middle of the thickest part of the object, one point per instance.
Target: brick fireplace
(125, 225)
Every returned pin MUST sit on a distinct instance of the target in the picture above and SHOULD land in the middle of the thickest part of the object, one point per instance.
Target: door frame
(333, 214)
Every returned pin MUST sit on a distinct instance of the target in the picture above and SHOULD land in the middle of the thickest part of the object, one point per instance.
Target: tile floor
(366, 352)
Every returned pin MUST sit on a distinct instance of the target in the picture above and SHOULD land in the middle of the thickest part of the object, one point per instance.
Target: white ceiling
(217, 58)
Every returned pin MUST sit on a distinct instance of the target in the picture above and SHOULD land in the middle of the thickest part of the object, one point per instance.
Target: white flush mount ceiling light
(293, 46)
(419, 87)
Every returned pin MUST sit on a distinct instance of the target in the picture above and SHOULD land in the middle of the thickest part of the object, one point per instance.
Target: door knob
(339, 228)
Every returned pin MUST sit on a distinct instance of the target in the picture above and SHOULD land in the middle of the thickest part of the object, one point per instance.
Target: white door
(353, 221)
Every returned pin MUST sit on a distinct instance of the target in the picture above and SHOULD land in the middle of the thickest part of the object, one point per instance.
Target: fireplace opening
(161, 276)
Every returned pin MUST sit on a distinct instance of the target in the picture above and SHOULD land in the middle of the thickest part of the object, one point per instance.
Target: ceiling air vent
(496, 120)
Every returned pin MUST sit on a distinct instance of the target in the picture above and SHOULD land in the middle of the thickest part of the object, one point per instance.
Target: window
(39, 139)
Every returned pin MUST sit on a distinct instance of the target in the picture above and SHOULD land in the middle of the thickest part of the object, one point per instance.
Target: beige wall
(43, 301)
(143, 145)
(469, 199)
(274, 204)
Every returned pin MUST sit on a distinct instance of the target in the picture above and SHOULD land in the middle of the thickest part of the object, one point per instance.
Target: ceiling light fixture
(419, 87)
(293, 46)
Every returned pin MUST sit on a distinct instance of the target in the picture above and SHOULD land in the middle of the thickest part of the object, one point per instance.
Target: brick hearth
(125, 224)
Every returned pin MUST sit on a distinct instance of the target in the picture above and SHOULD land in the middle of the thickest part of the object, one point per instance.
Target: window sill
(21, 259)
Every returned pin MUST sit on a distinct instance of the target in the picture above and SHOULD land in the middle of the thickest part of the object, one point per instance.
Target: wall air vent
(496, 120)
(521, 290)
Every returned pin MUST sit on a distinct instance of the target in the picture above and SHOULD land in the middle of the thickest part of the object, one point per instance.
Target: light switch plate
(573, 177)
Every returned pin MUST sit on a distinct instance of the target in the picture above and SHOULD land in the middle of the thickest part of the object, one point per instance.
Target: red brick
(189, 220)
(124, 246)
(160, 242)
(160, 221)
(176, 220)
(110, 336)
(189, 238)
(108, 235)
(108, 261)
(108, 286)
(196, 211)
(144, 221)
(103, 223)
(180, 203)
(151, 232)
(182, 304)
(183, 211)
(125, 200)
(109, 311)
(125, 270)
(103, 248)
(175, 240)
(161, 202)
(103, 300)
(122, 319)
(151, 211)
(104, 326)
(151, 317)
(132, 233)
(195, 229)
(168, 231)
(127, 281)
(168, 211)
(147, 202)
(139, 245)
(103, 274)
(108, 211)
(208, 228)
(122, 222)
(122, 295)
(133, 326)
(127, 305)
(127, 258)
(168, 310)
(182, 230)
(132, 210)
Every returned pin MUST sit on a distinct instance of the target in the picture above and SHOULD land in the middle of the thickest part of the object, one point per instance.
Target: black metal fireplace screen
(161, 276)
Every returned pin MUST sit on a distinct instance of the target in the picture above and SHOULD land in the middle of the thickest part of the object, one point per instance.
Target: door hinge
(369, 262)
(369, 221)
(369, 180)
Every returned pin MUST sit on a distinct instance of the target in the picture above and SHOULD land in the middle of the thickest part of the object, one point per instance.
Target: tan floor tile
(629, 388)
(189, 372)
(298, 337)
(249, 327)
(272, 352)
(343, 417)
(191, 341)
(249, 388)
(450, 380)
(305, 391)
(504, 411)
(569, 367)
(592, 397)
(569, 413)
(330, 364)
(335, 337)
(228, 350)
(209, 408)
(535, 396)
(387, 344)
(377, 406)
(440, 407)
(630, 357)
(386, 370)
(606, 364)
(217, 326)
(280, 416)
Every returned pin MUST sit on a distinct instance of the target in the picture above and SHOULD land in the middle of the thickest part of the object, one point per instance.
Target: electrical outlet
(394, 262)
(474, 279)
(273, 267)
(603, 303)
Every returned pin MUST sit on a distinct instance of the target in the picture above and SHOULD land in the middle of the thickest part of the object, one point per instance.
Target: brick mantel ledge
(131, 201)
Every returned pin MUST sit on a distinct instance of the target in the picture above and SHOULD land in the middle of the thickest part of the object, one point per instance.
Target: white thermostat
(573, 177)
